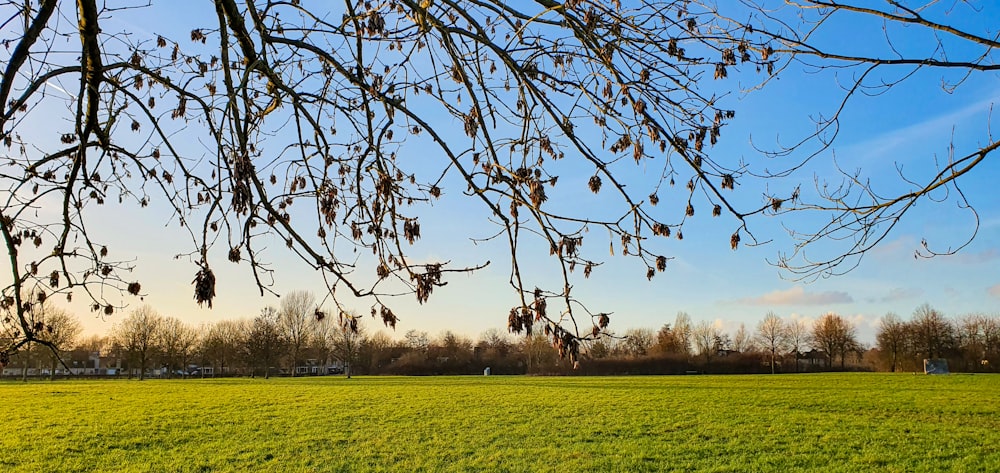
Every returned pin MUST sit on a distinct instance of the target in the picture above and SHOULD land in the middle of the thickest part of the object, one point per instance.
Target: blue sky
(911, 126)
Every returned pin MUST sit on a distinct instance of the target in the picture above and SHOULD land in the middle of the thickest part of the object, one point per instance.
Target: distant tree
(456, 348)
(138, 338)
(743, 341)
(265, 343)
(495, 344)
(682, 332)
(322, 328)
(707, 338)
(223, 343)
(799, 336)
(933, 334)
(773, 336)
(597, 349)
(890, 339)
(417, 340)
(835, 335)
(667, 342)
(723, 343)
(178, 342)
(93, 344)
(638, 342)
(59, 335)
(538, 353)
(346, 340)
(31, 348)
(377, 350)
(991, 340)
(297, 310)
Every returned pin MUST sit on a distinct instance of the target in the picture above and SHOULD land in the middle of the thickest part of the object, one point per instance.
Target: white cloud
(898, 294)
(798, 296)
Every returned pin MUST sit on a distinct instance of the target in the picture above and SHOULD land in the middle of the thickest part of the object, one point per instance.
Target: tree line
(297, 338)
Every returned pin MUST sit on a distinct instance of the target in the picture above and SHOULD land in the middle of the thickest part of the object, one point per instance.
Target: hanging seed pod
(728, 182)
(594, 184)
(204, 286)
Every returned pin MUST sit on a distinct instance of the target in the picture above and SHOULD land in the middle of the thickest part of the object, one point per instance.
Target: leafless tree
(834, 335)
(670, 341)
(597, 349)
(222, 345)
(682, 332)
(328, 107)
(495, 343)
(265, 341)
(346, 339)
(772, 335)
(377, 350)
(891, 339)
(54, 329)
(295, 316)
(638, 341)
(94, 344)
(417, 340)
(933, 334)
(178, 342)
(706, 336)
(538, 353)
(743, 341)
(330, 128)
(60, 334)
(138, 338)
(799, 336)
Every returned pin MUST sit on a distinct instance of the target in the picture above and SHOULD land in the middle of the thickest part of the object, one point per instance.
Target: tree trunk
(772, 360)
(25, 361)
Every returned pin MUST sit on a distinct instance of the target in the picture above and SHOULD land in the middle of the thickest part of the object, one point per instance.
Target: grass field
(823, 422)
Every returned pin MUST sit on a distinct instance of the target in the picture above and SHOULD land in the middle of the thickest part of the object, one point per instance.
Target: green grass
(826, 422)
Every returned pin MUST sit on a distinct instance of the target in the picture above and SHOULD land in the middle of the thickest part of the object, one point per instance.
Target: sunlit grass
(826, 422)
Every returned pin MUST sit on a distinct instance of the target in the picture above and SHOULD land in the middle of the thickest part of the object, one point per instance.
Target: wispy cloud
(906, 246)
(978, 257)
(994, 290)
(798, 296)
(891, 142)
(897, 294)
(903, 246)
